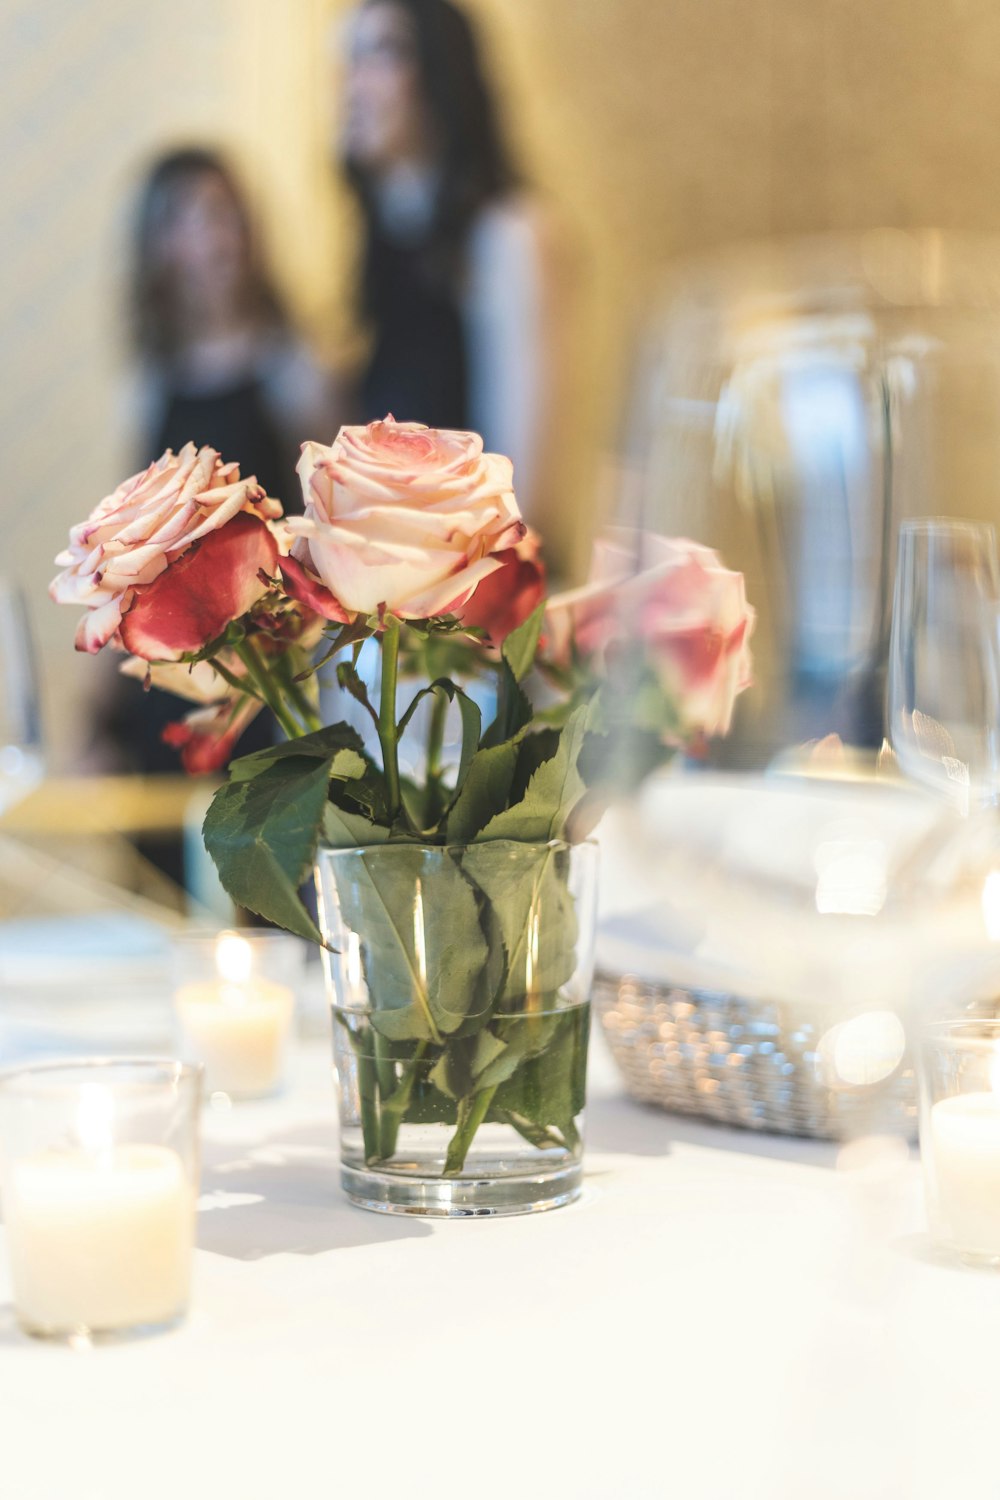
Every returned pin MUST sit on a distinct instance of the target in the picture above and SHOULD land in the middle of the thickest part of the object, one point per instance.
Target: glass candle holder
(234, 1004)
(959, 1072)
(99, 1169)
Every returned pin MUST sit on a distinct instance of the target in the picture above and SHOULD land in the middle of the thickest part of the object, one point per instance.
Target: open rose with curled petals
(163, 564)
(686, 608)
(400, 518)
(505, 599)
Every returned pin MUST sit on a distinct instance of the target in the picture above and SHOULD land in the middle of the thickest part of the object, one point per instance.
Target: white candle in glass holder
(99, 1235)
(965, 1144)
(236, 1024)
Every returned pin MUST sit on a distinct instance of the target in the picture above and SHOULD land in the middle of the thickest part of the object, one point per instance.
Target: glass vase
(459, 979)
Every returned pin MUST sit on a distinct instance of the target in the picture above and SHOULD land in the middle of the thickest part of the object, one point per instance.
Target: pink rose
(170, 558)
(676, 597)
(208, 736)
(402, 518)
(505, 599)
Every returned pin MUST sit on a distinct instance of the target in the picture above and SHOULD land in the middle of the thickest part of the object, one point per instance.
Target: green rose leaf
(469, 1063)
(338, 744)
(343, 829)
(485, 788)
(349, 680)
(553, 790)
(546, 1093)
(514, 710)
(263, 826)
(521, 646)
(528, 896)
(424, 955)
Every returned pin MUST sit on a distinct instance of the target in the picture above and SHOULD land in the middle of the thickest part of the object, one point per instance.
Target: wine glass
(944, 660)
(21, 762)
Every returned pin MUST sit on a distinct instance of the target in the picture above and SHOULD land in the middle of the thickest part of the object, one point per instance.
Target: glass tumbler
(459, 978)
(944, 661)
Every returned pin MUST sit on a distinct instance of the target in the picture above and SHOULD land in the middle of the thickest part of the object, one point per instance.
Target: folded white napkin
(783, 888)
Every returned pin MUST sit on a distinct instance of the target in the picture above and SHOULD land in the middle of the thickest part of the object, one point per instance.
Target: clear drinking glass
(21, 762)
(944, 667)
(959, 1074)
(460, 984)
(99, 1167)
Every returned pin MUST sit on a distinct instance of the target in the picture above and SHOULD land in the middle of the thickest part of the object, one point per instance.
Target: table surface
(721, 1315)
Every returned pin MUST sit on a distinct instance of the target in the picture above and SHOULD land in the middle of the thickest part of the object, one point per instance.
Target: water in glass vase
(485, 1125)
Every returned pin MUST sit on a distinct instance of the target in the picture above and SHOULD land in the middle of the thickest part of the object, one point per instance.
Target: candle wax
(99, 1240)
(965, 1144)
(239, 1032)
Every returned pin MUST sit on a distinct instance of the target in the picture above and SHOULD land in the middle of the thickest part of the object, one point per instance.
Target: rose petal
(506, 598)
(209, 585)
(208, 737)
(308, 590)
(98, 626)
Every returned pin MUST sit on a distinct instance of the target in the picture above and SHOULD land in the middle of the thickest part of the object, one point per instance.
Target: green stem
(367, 1091)
(433, 800)
(258, 675)
(299, 697)
(385, 1069)
(387, 732)
(395, 1106)
(539, 1136)
(435, 734)
(368, 1094)
(472, 1111)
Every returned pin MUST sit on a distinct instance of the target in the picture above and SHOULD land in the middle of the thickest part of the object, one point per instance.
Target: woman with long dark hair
(456, 278)
(219, 362)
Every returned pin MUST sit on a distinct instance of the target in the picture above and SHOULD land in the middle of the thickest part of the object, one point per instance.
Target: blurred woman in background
(218, 360)
(217, 363)
(458, 271)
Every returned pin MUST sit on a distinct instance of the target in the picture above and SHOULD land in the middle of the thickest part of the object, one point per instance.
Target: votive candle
(236, 1024)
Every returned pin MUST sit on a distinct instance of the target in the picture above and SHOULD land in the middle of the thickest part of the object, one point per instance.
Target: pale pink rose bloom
(403, 517)
(149, 522)
(681, 603)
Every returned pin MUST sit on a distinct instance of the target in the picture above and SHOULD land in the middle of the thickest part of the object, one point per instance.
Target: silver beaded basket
(741, 1062)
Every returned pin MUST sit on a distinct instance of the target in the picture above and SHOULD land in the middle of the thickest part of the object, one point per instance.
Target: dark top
(236, 422)
(417, 369)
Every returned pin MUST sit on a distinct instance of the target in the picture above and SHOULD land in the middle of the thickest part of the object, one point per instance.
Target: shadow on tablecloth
(282, 1196)
(618, 1125)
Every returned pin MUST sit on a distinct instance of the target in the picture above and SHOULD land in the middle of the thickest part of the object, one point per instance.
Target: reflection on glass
(795, 402)
(944, 673)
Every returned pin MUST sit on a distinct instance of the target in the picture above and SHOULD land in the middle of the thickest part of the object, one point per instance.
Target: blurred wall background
(662, 130)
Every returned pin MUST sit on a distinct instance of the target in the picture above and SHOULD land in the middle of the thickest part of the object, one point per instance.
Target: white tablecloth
(721, 1316)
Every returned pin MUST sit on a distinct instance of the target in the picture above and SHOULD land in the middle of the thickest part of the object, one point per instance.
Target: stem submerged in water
(472, 1112)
